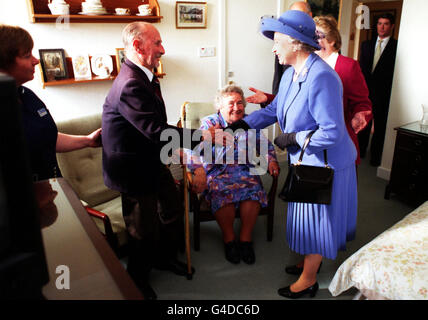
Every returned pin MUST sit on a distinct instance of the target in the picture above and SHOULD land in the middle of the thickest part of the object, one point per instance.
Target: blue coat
(313, 102)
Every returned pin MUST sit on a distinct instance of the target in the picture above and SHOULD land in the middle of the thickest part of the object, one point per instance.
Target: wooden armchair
(191, 114)
(83, 170)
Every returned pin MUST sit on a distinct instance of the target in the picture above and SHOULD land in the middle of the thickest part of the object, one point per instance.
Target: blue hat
(293, 23)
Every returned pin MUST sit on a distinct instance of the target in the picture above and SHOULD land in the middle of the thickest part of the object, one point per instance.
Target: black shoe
(286, 292)
(247, 252)
(231, 250)
(298, 270)
(175, 266)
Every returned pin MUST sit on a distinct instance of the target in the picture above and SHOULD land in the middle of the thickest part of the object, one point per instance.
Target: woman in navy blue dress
(42, 137)
(310, 98)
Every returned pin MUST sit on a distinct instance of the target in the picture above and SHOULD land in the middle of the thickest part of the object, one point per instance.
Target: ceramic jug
(59, 7)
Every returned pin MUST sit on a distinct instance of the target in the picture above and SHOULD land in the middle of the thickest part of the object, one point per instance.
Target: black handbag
(308, 184)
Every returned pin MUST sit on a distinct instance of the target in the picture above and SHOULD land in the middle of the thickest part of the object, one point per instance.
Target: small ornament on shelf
(93, 7)
(81, 67)
(59, 7)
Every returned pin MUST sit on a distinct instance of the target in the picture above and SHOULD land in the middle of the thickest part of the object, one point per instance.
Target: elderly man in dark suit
(133, 119)
(377, 62)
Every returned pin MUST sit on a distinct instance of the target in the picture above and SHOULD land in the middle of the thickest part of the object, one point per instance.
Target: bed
(392, 266)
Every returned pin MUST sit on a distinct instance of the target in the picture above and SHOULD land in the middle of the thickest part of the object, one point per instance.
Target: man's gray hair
(223, 92)
(301, 6)
(132, 31)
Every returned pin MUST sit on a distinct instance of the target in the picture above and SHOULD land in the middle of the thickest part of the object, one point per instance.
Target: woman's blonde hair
(329, 25)
(223, 92)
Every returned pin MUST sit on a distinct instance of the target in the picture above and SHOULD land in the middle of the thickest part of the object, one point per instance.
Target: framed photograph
(325, 8)
(81, 67)
(190, 15)
(53, 64)
(120, 58)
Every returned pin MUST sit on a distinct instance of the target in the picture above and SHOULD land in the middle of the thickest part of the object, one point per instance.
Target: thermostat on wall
(206, 51)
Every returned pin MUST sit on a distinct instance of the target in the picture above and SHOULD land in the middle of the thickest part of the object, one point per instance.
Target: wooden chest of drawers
(409, 174)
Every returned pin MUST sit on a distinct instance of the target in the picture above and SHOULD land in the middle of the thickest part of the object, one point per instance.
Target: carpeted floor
(217, 279)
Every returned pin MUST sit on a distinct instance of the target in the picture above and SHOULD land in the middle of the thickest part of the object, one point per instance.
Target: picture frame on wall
(325, 8)
(81, 67)
(192, 15)
(120, 58)
(53, 64)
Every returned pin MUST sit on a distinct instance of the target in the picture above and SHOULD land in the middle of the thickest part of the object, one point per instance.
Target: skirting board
(383, 173)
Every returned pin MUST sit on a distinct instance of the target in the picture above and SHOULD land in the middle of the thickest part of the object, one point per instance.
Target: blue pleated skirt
(325, 229)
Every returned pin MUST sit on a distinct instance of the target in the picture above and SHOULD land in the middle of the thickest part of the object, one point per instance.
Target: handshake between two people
(224, 137)
(217, 135)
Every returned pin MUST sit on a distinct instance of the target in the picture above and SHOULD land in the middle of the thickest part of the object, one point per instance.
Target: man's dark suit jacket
(132, 121)
(380, 81)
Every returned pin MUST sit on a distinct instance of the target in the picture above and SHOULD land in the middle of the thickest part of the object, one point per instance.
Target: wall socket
(206, 51)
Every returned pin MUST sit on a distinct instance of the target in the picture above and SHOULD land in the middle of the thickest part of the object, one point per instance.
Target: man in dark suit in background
(377, 62)
(133, 119)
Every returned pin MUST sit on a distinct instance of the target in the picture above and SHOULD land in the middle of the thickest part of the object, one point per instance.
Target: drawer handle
(418, 143)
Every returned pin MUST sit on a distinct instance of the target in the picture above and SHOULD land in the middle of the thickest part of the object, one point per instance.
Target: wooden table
(72, 240)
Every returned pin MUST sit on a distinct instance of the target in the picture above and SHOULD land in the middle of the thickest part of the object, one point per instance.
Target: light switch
(206, 51)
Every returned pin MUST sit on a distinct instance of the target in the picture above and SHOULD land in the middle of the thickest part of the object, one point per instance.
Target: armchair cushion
(83, 170)
(193, 112)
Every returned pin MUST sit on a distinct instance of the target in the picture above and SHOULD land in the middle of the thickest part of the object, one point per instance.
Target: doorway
(376, 8)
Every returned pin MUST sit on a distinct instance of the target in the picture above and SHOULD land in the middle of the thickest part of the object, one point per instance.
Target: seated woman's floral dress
(231, 175)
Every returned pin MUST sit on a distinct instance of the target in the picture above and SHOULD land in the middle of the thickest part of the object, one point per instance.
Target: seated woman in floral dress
(231, 178)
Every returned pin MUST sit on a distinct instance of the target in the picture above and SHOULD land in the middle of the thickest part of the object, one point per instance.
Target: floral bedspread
(394, 265)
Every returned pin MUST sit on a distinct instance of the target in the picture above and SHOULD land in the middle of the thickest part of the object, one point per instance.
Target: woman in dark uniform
(43, 138)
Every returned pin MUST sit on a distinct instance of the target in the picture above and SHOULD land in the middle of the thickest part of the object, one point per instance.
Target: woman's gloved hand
(285, 140)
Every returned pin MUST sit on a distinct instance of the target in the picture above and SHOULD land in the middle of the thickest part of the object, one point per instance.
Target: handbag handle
(305, 144)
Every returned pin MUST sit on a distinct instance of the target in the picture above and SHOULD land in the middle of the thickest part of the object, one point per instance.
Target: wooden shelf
(74, 18)
(39, 12)
(72, 80)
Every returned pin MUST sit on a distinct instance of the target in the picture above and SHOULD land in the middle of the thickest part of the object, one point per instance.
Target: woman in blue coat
(310, 98)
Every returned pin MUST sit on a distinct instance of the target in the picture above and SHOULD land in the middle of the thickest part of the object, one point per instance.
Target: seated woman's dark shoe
(298, 270)
(247, 252)
(231, 250)
(286, 292)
